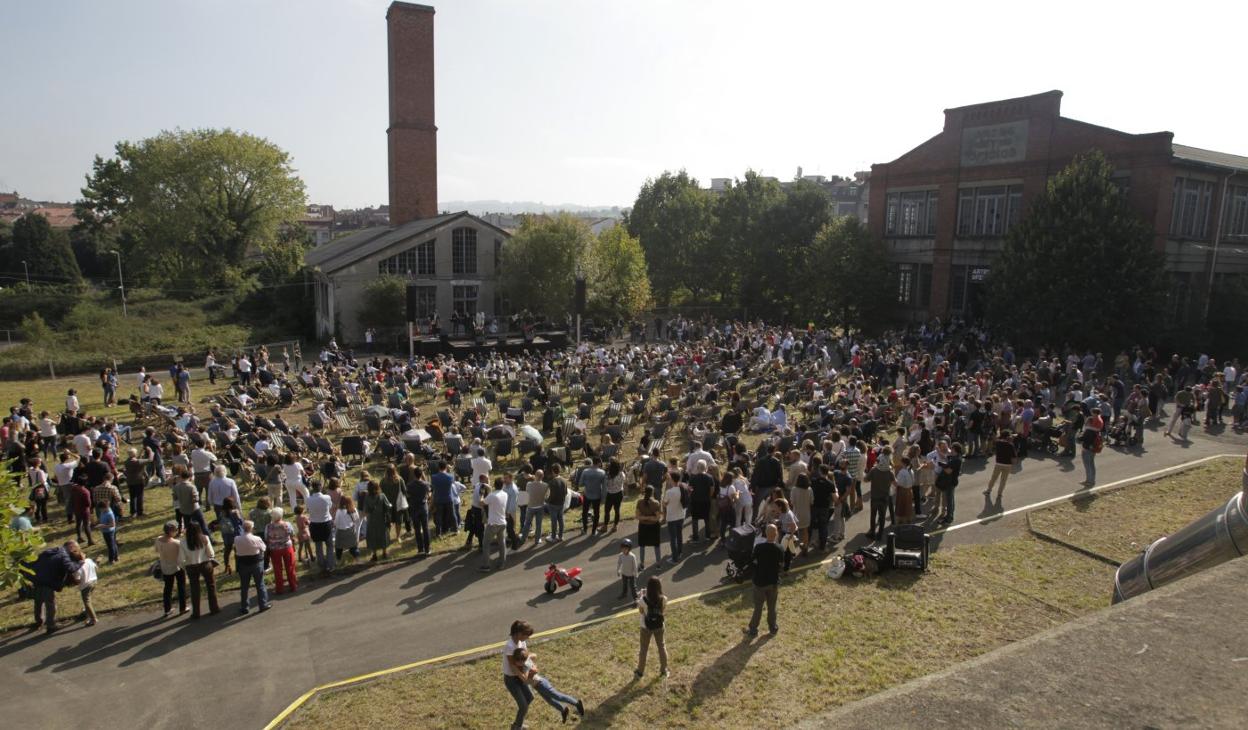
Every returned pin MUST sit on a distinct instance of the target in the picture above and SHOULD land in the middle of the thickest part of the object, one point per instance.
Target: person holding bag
(169, 555)
(199, 559)
(652, 605)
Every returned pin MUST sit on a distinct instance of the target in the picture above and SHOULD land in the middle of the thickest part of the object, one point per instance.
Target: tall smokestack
(412, 136)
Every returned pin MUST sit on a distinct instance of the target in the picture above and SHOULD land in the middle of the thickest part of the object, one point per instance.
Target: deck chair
(908, 547)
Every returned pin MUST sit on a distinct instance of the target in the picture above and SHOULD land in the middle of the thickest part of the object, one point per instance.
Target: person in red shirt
(1090, 440)
(80, 504)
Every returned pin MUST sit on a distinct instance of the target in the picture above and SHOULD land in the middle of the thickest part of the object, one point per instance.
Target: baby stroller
(1123, 432)
(740, 544)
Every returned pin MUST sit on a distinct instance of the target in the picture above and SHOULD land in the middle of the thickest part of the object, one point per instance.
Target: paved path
(137, 670)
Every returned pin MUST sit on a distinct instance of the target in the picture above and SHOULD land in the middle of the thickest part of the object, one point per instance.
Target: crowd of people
(791, 431)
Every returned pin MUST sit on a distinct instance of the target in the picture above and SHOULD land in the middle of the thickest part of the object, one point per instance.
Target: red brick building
(943, 208)
(412, 136)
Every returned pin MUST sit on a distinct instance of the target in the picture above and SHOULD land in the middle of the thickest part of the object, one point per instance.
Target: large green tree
(384, 303)
(849, 281)
(616, 275)
(46, 252)
(1080, 268)
(190, 207)
(739, 236)
(540, 263)
(672, 218)
(780, 258)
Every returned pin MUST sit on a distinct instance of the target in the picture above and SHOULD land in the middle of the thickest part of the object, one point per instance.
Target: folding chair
(908, 546)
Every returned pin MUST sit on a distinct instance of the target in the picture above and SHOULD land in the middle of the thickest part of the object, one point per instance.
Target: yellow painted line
(282, 717)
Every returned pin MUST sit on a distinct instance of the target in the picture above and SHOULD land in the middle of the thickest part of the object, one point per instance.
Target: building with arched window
(451, 259)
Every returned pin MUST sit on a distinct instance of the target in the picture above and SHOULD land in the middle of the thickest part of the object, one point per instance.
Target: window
(498, 255)
(912, 214)
(905, 283)
(914, 285)
(426, 301)
(1237, 212)
(415, 261)
(989, 211)
(1189, 217)
(464, 300)
(464, 251)
(1180, 295)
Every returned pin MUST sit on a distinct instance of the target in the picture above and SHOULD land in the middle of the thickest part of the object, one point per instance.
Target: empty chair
(453, 445)
(908, 547)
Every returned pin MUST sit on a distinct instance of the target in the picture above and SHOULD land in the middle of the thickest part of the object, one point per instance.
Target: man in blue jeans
(556, 497)
(249, 559)
(443, 486)
(674, 506)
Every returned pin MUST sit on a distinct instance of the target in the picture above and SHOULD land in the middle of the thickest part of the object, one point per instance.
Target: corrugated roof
(1209, 157)
(345, 251)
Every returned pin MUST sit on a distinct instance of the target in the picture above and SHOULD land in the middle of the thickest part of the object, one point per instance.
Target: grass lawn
(1120, 523)
(839, 641)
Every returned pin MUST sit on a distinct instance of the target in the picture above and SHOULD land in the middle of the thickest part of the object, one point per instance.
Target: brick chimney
(412, 136)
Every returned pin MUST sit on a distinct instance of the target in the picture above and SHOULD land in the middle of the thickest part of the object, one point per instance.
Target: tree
(45, 251)
(780, 257)
(850, 282)
(190, 206)
(672, 218)
(1080, 268)
(616, 275)
(540, 263)
(739, 236)
(384, 303)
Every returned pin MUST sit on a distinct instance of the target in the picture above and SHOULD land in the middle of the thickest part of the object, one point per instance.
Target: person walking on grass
(513, 674)
(767, 559)
(563, 703)
(652, 605)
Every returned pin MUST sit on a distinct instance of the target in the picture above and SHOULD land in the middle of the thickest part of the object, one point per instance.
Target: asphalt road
(139, 670)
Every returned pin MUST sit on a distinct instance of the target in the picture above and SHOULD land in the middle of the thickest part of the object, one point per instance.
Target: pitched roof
(1209, 157)
(343, 252)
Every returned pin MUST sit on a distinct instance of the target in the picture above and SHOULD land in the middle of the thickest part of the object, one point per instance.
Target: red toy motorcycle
(556, 577)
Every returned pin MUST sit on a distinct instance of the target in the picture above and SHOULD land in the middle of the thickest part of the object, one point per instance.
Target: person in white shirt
(481, 465)
(88, 576)
(675, 510)
(321, 526)
(244, 370)
(699, 455)
(292, 477)
(249, 559)
(494, 506)
(221, 487)
(745, 499)
(82, 444)
(202, 460)
(71, 401)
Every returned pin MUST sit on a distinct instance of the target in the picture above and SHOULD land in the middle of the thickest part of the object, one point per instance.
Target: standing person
(377, 510)
(1091, 441)
(513, 675)
(494, 509)
(652, 605)
(50, 572)
(393, 487)
(64, 473)
(904, 492)
(135, 470)
(801, 499)
(1006, 453)
(563, 703)
(726, 505)
(202, 462)
(197, 559)
(152, 452)
(767, 559)
(556, 497)
(947, 481)
(220, 488)
(249, 552)
(231, 526)
(881, 479)
(87, 576)
(169, 553)
(279, 537)
(108, 529)
(615, 493)
(38, 489)
(418, 492)
(536, 489)
(186, 499)
(593, 482)
(701, 492)
(442, 485)
(80, 506)
(292, 476)
(626, 569)
(474, 521)
(649, 515)
(321, 527)
(346, 528)
(674, 504)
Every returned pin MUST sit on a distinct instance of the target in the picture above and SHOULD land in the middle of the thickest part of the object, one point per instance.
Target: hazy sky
(579, 101)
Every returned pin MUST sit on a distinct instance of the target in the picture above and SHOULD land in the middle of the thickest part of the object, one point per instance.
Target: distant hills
(479, 207)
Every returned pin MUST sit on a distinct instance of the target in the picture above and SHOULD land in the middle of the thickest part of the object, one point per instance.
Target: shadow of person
(991, 510)
(1083, 502)
(715, 677)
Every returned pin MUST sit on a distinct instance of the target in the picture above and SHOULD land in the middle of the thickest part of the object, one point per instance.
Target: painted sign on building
(994, 144)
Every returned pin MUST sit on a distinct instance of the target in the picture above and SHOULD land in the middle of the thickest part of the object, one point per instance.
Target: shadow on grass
(716, 676)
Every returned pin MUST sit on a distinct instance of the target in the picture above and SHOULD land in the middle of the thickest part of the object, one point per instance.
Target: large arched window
(464, 251)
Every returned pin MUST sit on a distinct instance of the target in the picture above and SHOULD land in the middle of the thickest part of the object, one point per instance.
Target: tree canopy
(190, 207)
(672, 219)
(1080, 268)
(384, 303)
(540, 263)
(616, 275)
(850, 270)
(46, 251)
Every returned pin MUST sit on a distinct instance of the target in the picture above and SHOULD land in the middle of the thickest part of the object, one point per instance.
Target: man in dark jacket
(768, 473)
(50, 572)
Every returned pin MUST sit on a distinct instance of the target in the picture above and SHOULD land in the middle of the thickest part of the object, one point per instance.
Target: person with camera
(652, 605)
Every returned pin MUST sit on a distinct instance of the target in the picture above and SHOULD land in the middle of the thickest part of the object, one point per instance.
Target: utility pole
(27, 270)
(121, 284)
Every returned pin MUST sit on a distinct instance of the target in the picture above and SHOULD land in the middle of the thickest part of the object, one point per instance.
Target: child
(87, 576)
(108, 528)
(523, 658)
(626, 568)
(38, 489)
(303, 536)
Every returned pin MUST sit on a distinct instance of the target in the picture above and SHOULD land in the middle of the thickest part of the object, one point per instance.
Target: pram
(740, 544)
(1124, 431)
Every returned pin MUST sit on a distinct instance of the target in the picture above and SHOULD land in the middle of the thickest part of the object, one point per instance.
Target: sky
(579, 101)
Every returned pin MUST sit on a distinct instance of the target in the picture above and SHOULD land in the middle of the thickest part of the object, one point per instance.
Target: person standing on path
(767, 559)
(674, 505)
(652, 605)
(1091, 442)
(536, 489)
(881, 480)
(197, 556)
(626, 569)
(1004, 462)
(947, 481)
(494, 512)
(418, 493)
(593, 483)
(649, 515)
(377, 509)
(555, 500)
(615, 494)
(279, 536)
(249, 559)
(169, 553)
(513, 675)
(321, 527)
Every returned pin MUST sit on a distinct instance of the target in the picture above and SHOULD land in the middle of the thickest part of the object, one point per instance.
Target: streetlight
(27, 269)
(121, 282)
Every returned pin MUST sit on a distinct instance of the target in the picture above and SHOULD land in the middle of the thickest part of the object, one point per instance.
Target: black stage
(510, 344)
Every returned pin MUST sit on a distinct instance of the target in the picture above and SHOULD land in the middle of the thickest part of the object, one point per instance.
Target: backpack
(653, 618)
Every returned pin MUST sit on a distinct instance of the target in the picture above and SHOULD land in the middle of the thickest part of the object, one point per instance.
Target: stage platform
(510, 344)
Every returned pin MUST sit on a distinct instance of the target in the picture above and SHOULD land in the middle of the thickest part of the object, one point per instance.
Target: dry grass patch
(1118, 524)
